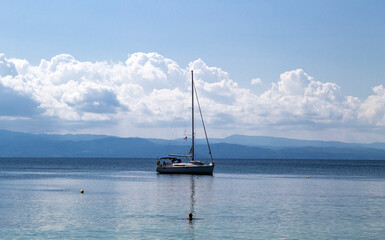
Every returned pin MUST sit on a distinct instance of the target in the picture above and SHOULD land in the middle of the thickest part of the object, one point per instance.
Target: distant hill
(16, 144)
(286, 142)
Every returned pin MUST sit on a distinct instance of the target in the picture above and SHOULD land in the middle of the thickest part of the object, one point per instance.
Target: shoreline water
(256, 199)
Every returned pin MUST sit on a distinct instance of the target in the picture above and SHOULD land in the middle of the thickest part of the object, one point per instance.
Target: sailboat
(173, 164)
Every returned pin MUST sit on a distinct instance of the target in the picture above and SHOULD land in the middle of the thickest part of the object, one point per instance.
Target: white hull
(194, 169)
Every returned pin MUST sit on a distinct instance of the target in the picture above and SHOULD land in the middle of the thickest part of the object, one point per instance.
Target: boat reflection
(192, 196)
(192, 209)
(184, 194)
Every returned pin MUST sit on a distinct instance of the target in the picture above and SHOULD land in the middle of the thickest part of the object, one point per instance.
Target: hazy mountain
(282, 142)
(16, 144)
(274, 142)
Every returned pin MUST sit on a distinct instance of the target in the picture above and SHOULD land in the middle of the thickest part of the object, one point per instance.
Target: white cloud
(151, 90)
(372, 110)
(298, 98)
(256, 81)
(7, 68)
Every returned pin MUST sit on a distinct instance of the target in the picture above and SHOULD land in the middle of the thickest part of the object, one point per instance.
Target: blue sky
(339, 42)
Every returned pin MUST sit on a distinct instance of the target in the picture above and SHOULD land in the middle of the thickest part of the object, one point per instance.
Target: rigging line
(203, 123)
(179, 122)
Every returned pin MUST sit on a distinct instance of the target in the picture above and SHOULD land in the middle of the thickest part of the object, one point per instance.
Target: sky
(296, 69)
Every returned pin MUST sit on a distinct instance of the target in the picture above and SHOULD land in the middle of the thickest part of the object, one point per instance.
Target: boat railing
(179, 155)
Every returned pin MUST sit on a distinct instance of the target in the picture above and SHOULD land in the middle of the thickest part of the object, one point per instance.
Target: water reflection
(192, 196)
(178, 195)
(192, 209)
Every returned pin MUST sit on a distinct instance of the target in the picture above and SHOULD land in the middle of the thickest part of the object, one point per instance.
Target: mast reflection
(192, 196)
(192, 210)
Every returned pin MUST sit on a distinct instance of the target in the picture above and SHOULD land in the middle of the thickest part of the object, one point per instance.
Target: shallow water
(245, 199)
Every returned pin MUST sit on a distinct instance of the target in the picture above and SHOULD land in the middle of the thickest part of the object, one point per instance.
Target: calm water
(245, 199)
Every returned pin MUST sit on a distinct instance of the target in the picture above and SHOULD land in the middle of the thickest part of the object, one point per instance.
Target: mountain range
(17, 144)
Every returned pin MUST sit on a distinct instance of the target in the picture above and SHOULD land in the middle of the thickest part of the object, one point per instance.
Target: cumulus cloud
(151, 90)
(7, 68)
(72, 90)
(372, 109)
(14, 104)
(298, 98)
(256, 81)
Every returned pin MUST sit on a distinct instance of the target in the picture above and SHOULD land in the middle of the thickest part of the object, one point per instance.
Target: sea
(245, 199)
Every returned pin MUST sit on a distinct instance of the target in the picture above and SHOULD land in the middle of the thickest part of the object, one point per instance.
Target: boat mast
(192, 127)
